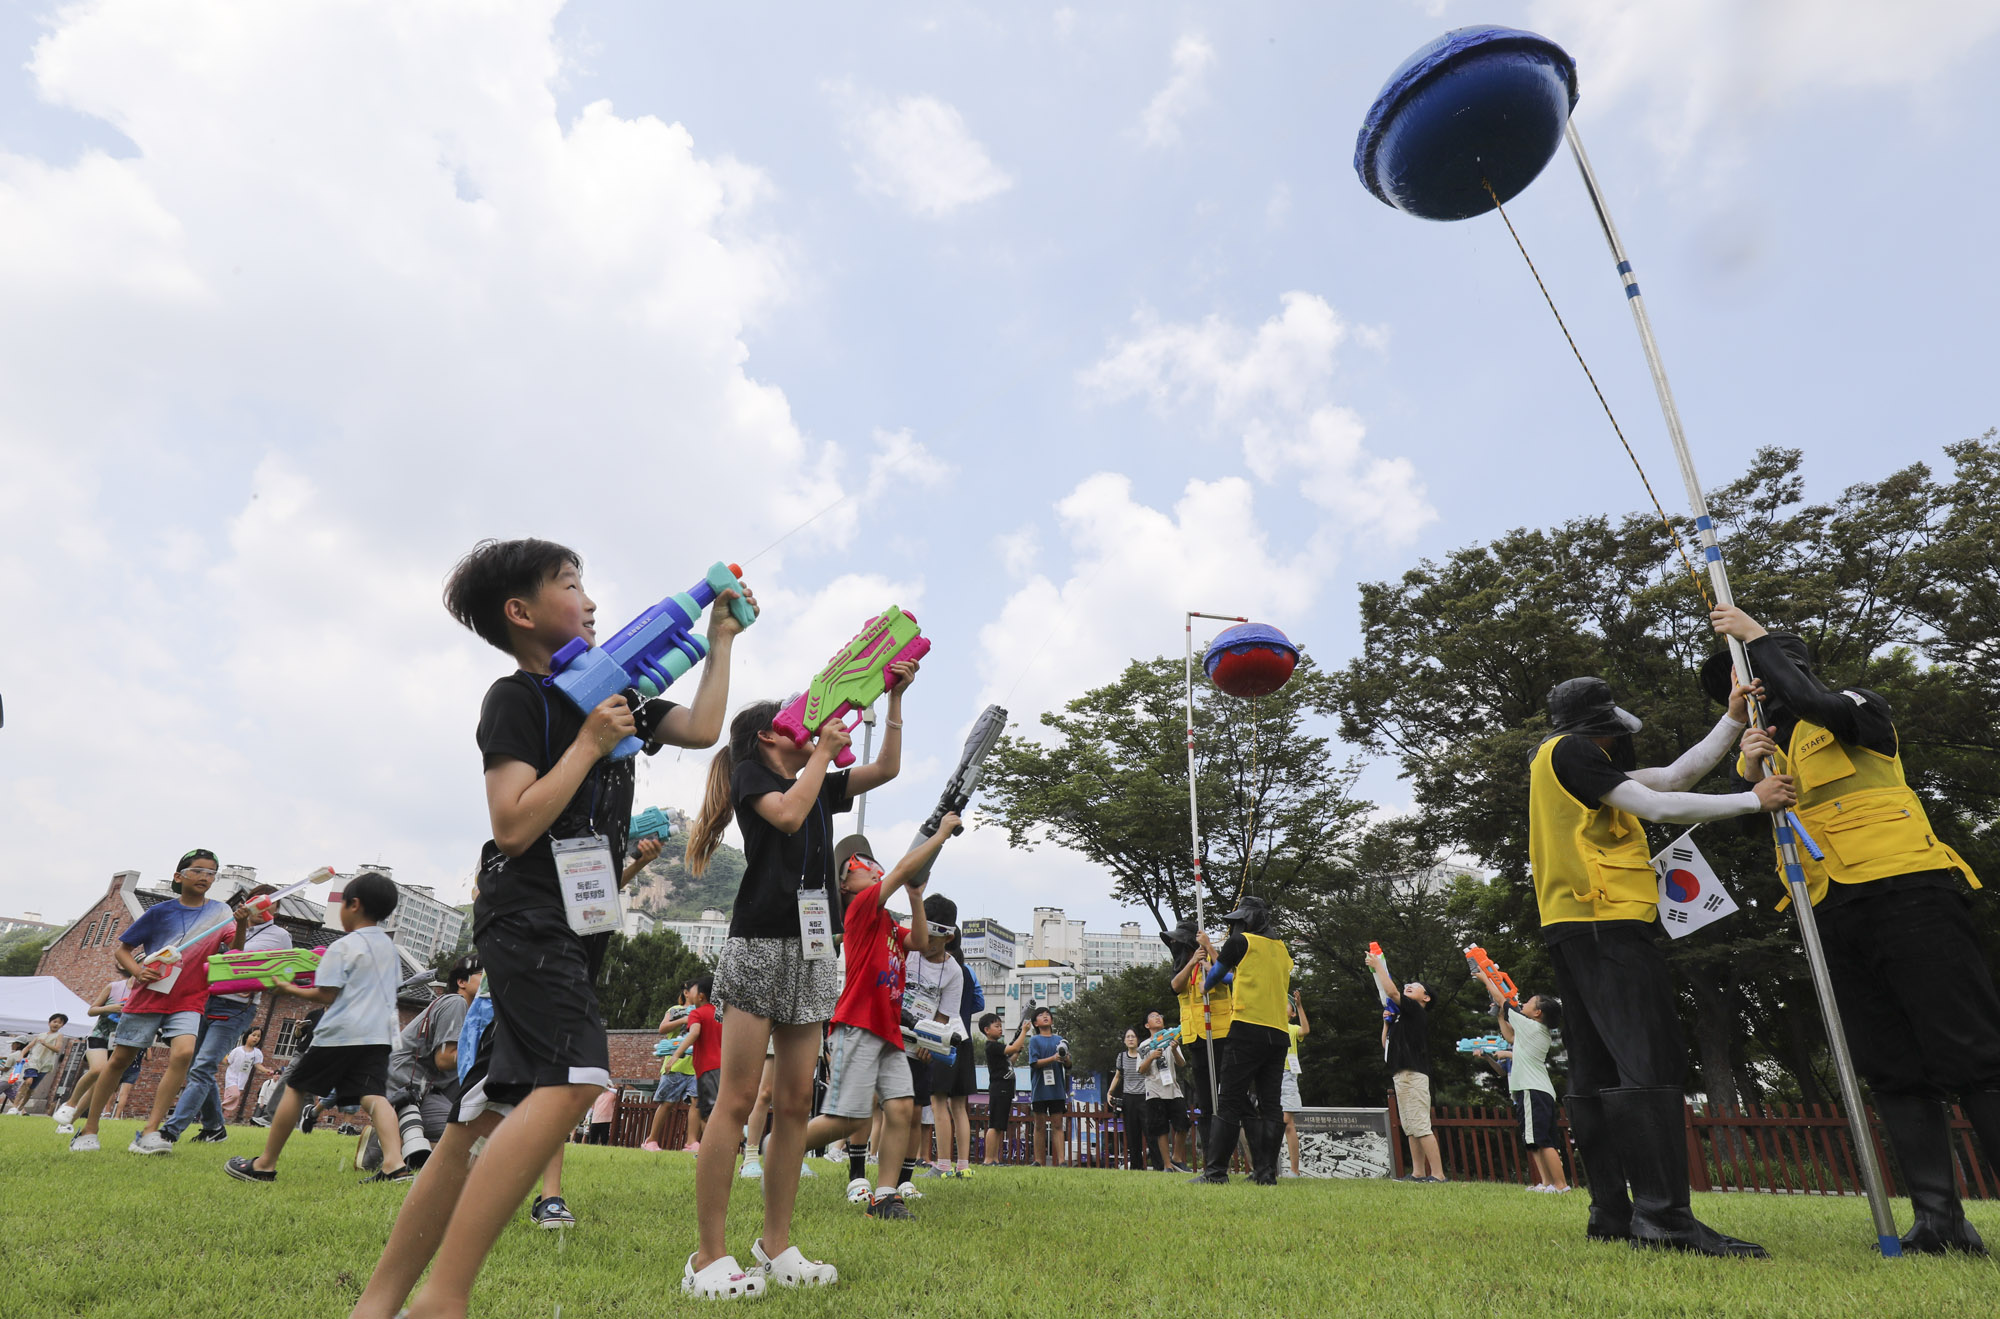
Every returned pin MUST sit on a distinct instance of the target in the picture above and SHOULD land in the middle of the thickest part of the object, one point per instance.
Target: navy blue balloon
(1478, 103)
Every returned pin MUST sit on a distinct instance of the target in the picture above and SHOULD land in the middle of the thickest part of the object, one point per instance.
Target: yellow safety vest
(1219, 1008)
(1860, 811)
(1263, 983)
(1589, 864)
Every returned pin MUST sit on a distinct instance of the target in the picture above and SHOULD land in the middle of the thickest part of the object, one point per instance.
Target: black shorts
(999, 1108)
(1535, 1111)
(546, 1026)
(1164, 1113)
(920, 1079)
(132, 1073)
(1049, 1107)
(345, 1073)
(958, 1080)
(706, 1087)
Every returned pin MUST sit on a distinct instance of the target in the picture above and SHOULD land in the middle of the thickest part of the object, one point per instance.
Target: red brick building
(81, 958)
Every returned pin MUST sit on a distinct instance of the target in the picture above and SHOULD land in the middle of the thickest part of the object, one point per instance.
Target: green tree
(1112, 785)
(21, 950)
(643, 977)
(1893, 582)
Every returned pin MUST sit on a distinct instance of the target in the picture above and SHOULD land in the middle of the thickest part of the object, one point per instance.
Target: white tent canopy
(27, 1003)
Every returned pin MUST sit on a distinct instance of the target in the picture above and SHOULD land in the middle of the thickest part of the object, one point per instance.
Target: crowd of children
(817, 975)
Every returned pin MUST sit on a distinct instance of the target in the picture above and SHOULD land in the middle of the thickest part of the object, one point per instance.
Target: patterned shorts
(772, 978)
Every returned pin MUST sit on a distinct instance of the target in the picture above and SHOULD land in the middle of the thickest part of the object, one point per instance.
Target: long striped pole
(1788, 845)
(1194, 831)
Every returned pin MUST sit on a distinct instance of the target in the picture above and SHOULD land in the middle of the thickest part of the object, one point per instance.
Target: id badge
(815, 925)
(1048, 1076)
(589, 884)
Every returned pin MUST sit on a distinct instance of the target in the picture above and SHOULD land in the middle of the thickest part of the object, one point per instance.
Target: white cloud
(916, 150)
(1133, 571)
(1186, 91)
(1272, 387)
(270, 376)
(1698, 68)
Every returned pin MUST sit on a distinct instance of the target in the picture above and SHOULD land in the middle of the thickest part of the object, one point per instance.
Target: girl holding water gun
(778, 975)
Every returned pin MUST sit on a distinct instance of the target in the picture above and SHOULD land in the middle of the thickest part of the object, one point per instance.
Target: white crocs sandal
(720, 1281)
(792, 1269)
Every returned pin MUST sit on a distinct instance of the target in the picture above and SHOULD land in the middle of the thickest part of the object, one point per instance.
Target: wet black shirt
(521, 719)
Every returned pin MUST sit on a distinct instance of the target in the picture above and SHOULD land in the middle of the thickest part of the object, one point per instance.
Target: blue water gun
(648, 653)
(1484, 1044)
(651, 823)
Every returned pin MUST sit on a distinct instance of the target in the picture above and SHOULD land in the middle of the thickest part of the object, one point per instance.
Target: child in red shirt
(704, 1037)
(868, 1058)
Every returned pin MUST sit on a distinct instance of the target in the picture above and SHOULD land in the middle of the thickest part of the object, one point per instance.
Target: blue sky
(1082, 310)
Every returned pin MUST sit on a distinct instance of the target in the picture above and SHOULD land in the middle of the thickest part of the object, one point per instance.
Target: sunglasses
(867, 865)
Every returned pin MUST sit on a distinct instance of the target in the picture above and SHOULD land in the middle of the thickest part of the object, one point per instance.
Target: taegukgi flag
(1690, 894)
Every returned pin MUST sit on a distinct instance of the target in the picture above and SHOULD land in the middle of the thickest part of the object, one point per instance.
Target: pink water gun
(855, 677)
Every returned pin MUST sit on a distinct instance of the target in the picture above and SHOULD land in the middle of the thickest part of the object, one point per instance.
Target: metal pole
(867, 754)
(1194, 831)
(1788, 850)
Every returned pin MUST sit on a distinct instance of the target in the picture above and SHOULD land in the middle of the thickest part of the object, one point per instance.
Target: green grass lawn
(173, 1238)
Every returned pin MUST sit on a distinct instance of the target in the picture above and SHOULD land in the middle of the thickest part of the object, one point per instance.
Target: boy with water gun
(167, 992)
(557, 737)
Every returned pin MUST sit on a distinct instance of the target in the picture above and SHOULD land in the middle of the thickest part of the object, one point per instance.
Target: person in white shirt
(241, 1065)
(348, 1061)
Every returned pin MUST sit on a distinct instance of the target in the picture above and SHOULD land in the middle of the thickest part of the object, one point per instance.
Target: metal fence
(1784, 1149)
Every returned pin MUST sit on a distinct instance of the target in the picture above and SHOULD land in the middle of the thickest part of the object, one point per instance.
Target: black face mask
(1624, 756)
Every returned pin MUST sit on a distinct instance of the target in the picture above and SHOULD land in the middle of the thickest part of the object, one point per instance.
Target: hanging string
(1250, 827)
(1665, 521)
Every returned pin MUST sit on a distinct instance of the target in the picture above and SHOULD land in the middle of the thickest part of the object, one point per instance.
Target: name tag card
(589, 884)
(815, 925)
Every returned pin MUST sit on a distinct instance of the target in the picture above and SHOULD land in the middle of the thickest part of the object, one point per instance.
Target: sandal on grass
(720, 1281)
(792, 1269)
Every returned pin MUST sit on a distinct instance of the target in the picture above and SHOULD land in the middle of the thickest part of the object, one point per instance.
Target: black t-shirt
(777, 864)
(521, 719)
(1584, 769)
(999, 1070)
(1855, 715)
(1409, 1041)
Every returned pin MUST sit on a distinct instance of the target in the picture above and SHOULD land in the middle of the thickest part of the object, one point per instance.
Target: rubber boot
(1221, 1146)
(1267, 1138)
(1649, 1124)
(1610, 1207)
(1920, 1134)
(1982, 1110)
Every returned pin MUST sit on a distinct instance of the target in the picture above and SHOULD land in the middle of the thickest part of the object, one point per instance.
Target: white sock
(884, 1192)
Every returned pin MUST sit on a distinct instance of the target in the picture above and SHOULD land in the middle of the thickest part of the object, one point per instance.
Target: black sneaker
(551, 1213)
(889, 1206)
(215, 1137)
(246, 1170)
(402, 1174)
(1206, 1178)
(309, 1117)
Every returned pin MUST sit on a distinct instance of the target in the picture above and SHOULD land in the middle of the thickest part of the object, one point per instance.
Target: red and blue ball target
(1250, 659)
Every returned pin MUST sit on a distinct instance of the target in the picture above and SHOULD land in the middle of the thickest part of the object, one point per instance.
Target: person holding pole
(1922, 1012)
(1256, 968)
(1599, 900)
(1205, 1019)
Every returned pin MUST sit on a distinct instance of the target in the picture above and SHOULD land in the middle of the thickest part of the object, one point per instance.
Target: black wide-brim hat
(1585, 706)
(1718, 671)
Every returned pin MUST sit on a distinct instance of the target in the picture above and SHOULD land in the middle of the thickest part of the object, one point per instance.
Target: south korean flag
(1690, 894)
